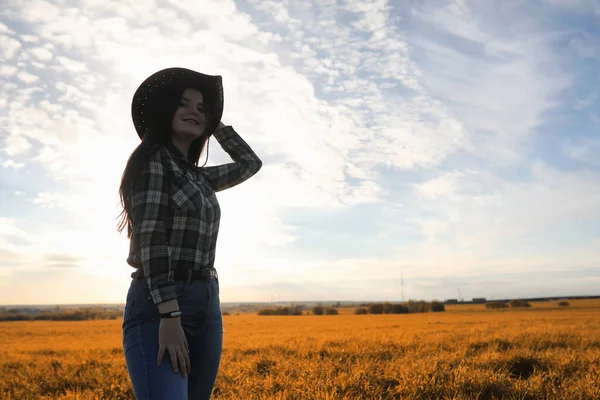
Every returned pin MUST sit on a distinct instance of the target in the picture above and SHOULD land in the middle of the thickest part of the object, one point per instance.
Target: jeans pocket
(134, 308)
(138, 301)
(181, 288)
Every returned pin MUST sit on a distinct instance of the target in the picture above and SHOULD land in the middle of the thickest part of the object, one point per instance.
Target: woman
(172, 325)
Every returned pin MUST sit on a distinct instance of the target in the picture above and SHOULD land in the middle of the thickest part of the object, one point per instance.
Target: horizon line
(561, 297)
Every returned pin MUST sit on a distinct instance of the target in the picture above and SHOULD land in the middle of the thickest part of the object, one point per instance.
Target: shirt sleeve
(245, 162)
(150, 202)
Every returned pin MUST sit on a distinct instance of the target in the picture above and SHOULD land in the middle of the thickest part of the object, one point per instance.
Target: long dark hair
(158, 133)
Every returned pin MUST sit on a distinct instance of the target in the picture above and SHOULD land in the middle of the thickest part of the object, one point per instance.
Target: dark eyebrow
(185, 98)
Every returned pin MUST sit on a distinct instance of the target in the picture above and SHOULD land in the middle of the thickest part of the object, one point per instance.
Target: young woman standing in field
(172, 324)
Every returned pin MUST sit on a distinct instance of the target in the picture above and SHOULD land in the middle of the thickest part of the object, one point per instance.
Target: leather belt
(183, 274)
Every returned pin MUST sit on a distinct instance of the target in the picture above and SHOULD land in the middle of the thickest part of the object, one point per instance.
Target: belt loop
(189, 279)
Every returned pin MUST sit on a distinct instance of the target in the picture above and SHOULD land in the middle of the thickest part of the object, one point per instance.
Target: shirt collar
(178, 153)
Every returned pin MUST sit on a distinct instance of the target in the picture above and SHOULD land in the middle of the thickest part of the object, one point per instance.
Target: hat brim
(148, 93)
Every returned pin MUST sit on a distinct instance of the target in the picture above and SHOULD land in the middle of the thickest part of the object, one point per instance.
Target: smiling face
(189, 119)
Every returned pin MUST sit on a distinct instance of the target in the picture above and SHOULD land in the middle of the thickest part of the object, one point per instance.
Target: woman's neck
(182, 145)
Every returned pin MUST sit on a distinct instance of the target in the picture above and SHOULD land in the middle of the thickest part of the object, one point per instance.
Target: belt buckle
(209, 273)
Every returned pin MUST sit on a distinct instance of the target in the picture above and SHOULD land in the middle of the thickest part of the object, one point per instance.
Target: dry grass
(544, 352)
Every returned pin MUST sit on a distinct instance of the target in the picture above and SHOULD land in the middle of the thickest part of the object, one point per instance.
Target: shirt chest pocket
(186, 194)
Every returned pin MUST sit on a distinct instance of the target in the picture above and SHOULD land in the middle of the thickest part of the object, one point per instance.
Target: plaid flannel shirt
(176, 214)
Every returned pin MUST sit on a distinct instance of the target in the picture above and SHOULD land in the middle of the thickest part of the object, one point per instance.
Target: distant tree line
(410, 307)
(81, 314)
(298, 310)
(287, 310)
(320, 310)
(506, 304)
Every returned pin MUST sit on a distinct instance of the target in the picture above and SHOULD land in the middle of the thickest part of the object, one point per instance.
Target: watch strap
(171, 314)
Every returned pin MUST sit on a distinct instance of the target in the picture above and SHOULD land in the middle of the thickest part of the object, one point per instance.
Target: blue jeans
(202, 322)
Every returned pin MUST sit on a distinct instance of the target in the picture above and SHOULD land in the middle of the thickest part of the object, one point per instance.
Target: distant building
(479, 300)
(451, 301)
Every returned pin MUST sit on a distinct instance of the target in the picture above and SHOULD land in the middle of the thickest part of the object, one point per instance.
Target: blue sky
(454, 143)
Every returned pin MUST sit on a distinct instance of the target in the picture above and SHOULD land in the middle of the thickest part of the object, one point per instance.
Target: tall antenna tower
(402, 284)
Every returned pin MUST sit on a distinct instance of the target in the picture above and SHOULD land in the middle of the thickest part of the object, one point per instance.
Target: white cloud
(374, 15)
(42, 53)
(571, 4)
(45, 124)
(10, 47)
(586, 151)
(586, 101)
(487, 212)
(27, 77)
(277, 9)
(12, 164)
(30, 38)
(52, 200)
(7, 70)
(41, 11)
(16, 144)
(440, 186)
(4, 28)
(16, 254)
(72, 65)
(585, 47)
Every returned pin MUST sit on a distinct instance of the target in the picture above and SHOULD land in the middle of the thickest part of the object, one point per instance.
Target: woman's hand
(171, 337)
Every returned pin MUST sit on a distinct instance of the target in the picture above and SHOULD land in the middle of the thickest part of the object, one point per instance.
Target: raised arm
(245, 162)
(150, 202)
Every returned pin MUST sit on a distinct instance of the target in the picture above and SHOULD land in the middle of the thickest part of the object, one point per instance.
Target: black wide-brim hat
(147, 96)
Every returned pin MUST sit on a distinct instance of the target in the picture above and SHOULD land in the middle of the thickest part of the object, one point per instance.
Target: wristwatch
(171, 314)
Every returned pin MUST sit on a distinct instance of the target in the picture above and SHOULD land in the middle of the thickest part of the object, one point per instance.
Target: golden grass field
(466, 352)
